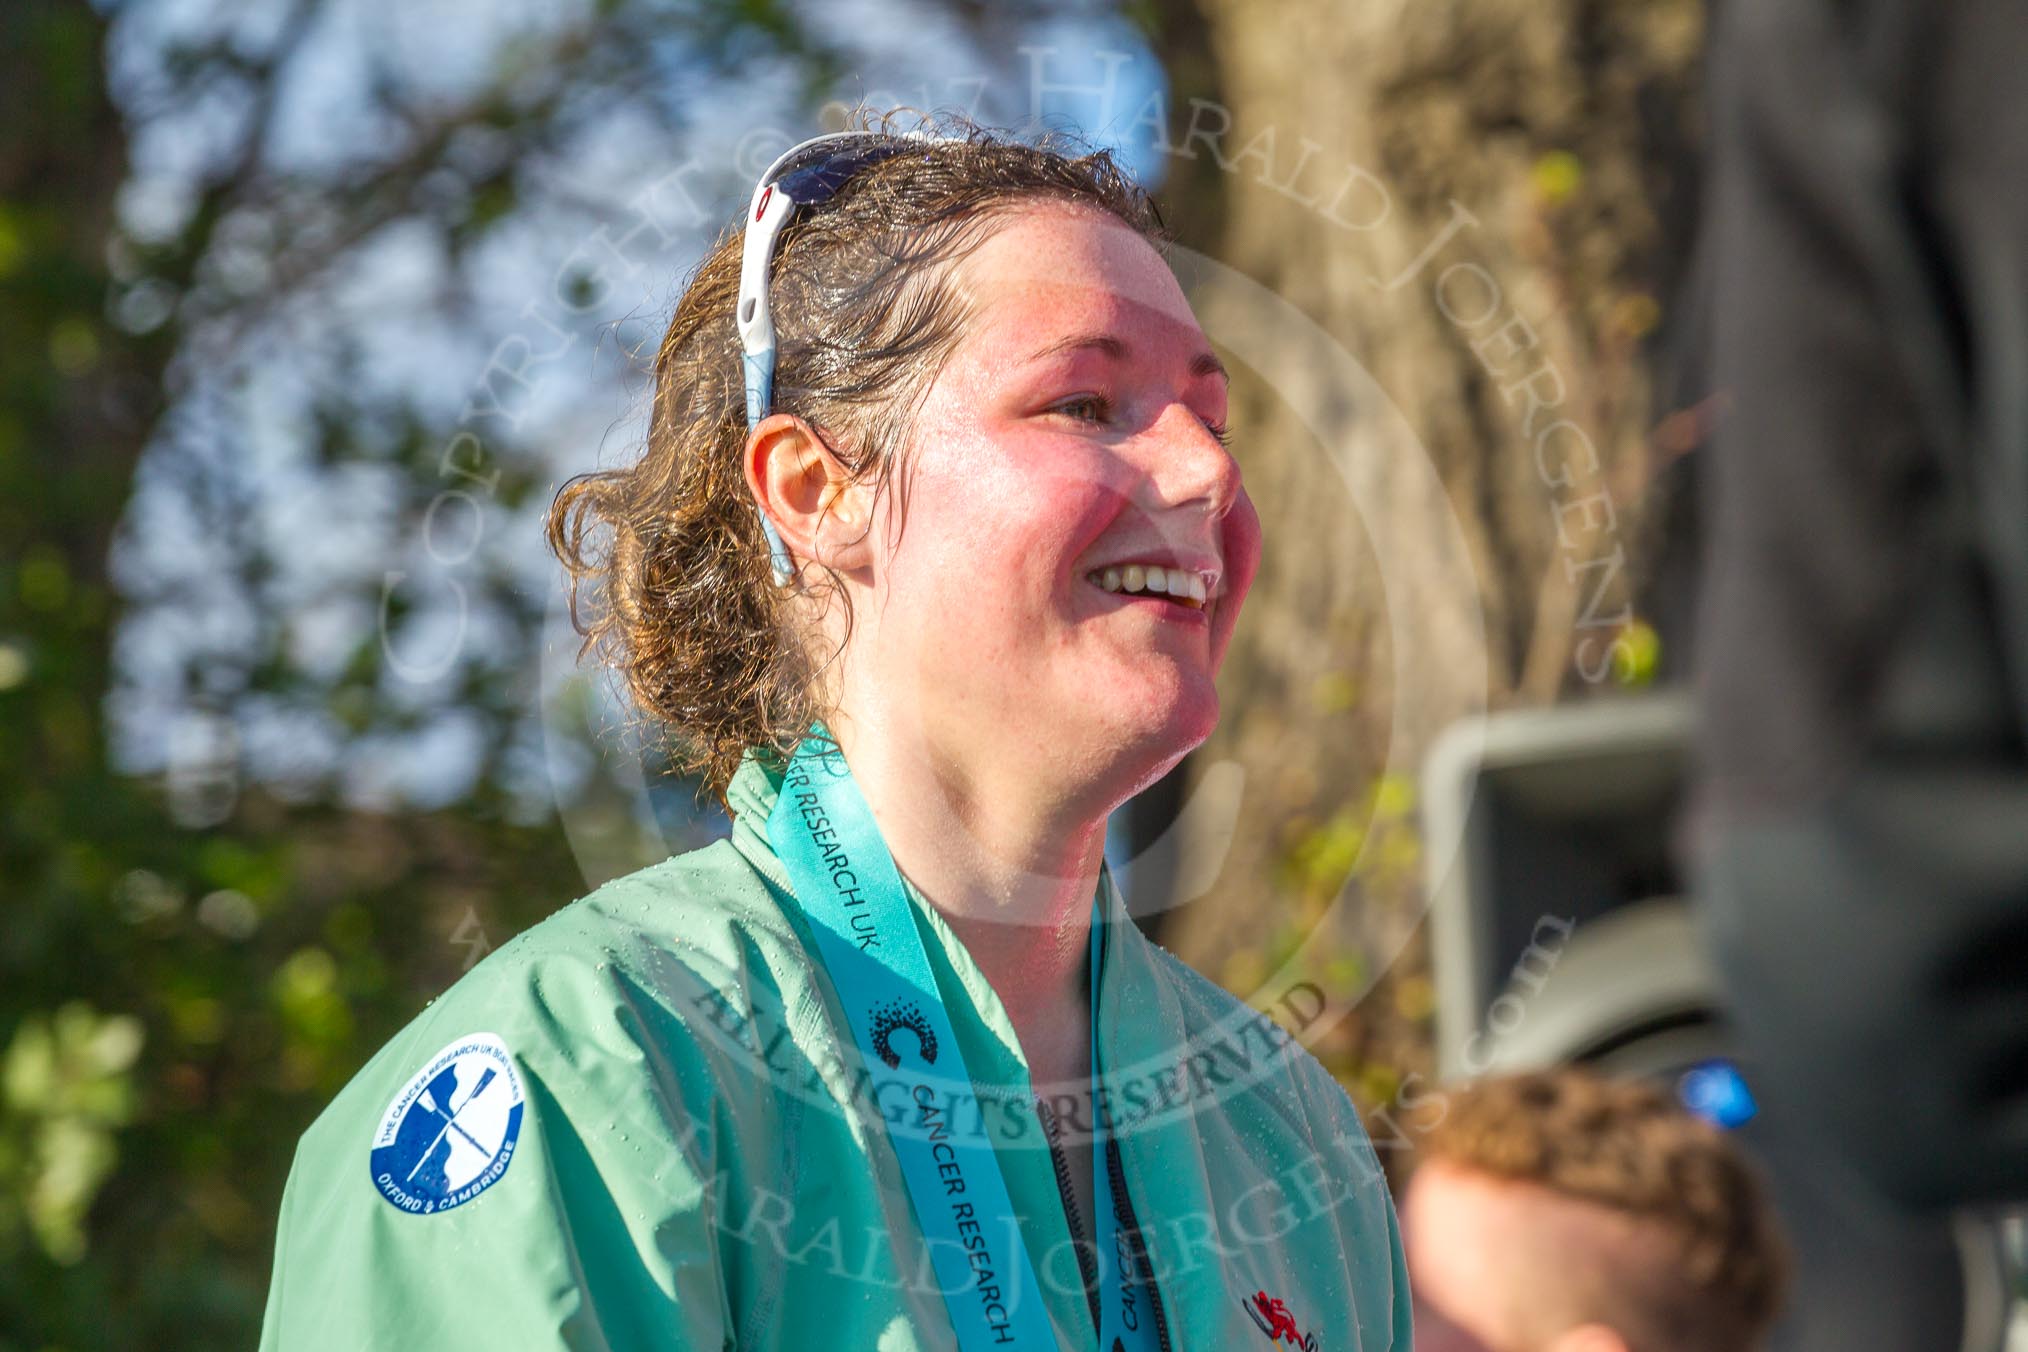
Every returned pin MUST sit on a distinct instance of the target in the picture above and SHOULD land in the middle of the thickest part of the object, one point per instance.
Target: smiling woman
(930, 563)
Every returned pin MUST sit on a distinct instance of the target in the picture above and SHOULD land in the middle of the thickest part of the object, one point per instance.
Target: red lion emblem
(1280, 1323)
(1272, 1317)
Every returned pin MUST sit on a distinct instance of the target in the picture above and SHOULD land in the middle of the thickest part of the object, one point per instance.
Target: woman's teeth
(1188, 588)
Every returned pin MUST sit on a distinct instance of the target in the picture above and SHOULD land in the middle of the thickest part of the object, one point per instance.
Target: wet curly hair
(668, 568)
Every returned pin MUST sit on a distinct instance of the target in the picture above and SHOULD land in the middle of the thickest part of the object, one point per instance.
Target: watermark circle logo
(450, 1133)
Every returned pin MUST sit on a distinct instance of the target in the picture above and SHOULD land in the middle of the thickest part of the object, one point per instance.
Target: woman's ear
(820, 511)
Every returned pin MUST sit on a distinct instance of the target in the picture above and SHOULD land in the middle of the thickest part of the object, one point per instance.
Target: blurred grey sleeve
(1860, 825)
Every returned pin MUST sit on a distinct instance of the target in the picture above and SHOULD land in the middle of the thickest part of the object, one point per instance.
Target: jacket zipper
(1087, 1264)
(1123, 1207)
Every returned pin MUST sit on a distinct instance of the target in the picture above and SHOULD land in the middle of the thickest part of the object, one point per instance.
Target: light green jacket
(700, 1162)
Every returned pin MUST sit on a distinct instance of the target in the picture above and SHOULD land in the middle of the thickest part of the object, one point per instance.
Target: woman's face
(1067, 444)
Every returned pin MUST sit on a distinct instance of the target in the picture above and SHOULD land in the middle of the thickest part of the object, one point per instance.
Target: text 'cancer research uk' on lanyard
(848, 886)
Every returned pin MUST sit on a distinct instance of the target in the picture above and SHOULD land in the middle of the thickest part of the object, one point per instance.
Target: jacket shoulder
(660, 957)
(583, 1087)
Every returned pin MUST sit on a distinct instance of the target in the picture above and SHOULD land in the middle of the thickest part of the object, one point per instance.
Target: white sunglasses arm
(756, 322)
(757, 336)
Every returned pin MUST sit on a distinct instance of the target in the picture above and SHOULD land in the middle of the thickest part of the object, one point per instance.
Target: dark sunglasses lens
(820, 180)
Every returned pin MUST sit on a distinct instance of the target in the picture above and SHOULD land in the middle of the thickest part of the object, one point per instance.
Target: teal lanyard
(1126, 1320)
(848, 886)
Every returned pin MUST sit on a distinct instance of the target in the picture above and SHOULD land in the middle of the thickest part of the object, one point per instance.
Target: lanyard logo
(897, 1014)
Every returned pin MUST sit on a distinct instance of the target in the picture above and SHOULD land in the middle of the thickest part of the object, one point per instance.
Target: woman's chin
(1164, 731)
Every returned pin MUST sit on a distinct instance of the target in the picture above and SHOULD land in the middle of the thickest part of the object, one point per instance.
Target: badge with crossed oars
(429, 1104)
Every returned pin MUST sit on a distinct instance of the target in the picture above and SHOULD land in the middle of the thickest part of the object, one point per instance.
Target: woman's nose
(1188, 464)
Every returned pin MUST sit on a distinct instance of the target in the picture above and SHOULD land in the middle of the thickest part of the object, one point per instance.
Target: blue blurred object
(1717, 1091)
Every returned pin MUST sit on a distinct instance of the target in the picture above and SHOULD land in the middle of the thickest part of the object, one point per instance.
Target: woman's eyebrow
(1205, 363)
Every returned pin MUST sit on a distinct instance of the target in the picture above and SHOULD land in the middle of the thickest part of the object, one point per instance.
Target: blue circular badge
(449, 1134)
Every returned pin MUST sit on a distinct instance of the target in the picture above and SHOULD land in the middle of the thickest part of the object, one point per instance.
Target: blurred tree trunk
(1483, 202)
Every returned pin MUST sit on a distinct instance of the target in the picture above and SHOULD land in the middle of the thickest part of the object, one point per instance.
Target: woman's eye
(1091, 408)
(1219, 431)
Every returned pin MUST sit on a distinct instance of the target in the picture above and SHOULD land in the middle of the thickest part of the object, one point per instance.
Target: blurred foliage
(194, 961)
(65, 1085)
